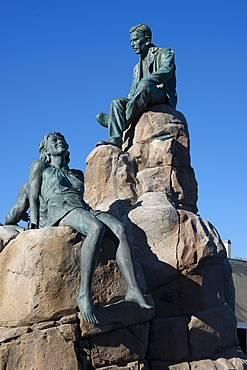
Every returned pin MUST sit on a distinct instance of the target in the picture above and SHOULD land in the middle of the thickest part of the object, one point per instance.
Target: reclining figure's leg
(125, 260)
(86, 224)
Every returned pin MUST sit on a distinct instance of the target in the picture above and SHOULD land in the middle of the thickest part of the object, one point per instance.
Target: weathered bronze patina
(154, 82)
(55, 194)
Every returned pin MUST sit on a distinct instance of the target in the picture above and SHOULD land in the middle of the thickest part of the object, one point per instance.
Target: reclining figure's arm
(34, 190)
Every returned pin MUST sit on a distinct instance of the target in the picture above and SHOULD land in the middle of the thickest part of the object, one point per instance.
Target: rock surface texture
(180, 259)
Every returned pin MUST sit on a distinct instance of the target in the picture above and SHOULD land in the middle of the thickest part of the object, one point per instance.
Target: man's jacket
(162, 68)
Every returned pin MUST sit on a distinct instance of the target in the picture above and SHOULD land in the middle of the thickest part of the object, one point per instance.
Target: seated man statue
(61, 192)
(154, 82)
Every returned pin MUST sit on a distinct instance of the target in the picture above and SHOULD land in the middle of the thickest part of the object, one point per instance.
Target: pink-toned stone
(184, 186)
(203, 365)
(9, 333)
(224, 364)
(118, 315)
(40, 277)
(152, 224)
(148, 152)
(136, 365)
(157, 179)
(40, 350)
(119, 346)
(153, 154)
(159, 120)
(198, 241)
(151, 187)
(7, 233)
(211, 331)
(109, 175)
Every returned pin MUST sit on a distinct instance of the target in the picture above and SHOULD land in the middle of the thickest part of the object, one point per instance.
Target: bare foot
(85, 305)
(136, 296)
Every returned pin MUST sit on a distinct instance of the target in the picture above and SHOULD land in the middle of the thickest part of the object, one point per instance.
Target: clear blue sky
(63, 61)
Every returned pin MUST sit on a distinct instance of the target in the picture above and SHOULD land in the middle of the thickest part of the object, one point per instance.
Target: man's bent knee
(119, 102)
(145, 85)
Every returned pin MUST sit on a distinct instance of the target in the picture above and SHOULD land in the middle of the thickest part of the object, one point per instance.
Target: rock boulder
(180, 260)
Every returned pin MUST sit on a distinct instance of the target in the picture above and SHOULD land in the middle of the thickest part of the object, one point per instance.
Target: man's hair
(143, 29)
(44, 154)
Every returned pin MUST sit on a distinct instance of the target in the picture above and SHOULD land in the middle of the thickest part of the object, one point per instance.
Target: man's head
(53, 144)
(140, 37)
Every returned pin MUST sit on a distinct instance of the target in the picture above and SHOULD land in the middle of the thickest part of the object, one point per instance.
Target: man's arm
(34, 188)
(166, 66)
(135, 81)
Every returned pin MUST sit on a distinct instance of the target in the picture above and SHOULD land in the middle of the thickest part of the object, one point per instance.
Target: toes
(90, 318)
(94, 320)
(147, 306)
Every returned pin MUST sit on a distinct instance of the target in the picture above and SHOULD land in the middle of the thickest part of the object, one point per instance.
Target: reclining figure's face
(139, 43)
(57, 145)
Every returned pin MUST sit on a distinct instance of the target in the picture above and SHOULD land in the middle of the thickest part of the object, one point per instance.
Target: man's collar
(151, 54)
(152, 49)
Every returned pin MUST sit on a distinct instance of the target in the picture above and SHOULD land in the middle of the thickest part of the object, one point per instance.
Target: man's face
(139, 43)
(57, 146)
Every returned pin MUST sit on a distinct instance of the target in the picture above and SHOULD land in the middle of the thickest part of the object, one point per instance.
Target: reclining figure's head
(53, 144)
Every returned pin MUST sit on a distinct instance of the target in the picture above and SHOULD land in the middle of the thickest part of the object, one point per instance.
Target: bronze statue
(58, 190)
(154, 82)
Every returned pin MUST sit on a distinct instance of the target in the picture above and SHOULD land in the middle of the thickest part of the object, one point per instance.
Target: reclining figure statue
(55, 196)
(154, 82)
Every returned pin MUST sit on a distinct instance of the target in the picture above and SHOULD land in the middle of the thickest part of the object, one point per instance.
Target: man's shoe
(103, 119)
(102, 142)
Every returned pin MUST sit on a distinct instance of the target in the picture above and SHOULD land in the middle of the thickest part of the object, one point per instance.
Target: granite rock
(158, 121)
(7, 334)
(202, 288)
(167, 300)
(39, 350)
(164, 365)
(150, 187)
(153, 225)
(168, 339)
(136, 365)
(119, 346)
(161, 140)
(109, 175)
(40, 274)
(212, 330)
(7, 233)
(198, 242)
(118, 315)
(203, 365)
(156, 158)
